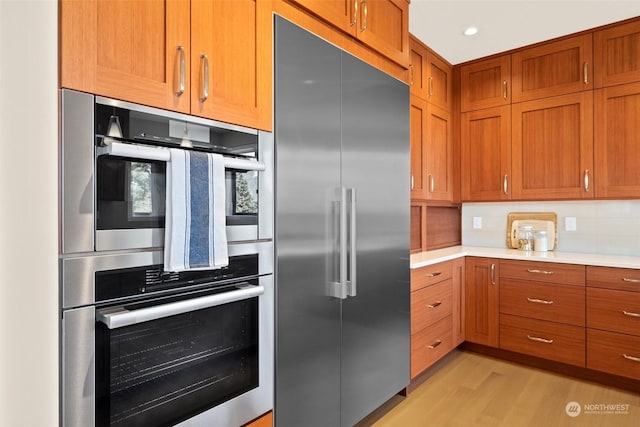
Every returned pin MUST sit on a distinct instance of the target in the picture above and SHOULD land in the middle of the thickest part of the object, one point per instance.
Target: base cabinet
(482, 296)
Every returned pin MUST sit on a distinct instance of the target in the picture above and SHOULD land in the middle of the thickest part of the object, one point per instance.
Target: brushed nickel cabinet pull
(355, 13)
(626, 279)
(505, 94)
(365, 11)
(542, 340)
(411, 182)
(435, 304)
(436, 274)
(630, 314)
(531, 270)
(430, 86)
(493, 274)
(585, 71)
(586, 180)
(179, 74)
(204, 77)
(434, 345)
(539, 301)
(505, 184)
(410, 74)
(634, 358)
(431, 183)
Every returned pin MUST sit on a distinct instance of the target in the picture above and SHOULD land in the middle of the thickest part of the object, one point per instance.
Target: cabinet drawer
(617, 354)
(612, 310)
(549, 340)
(547, 272)
(430, 344)
(624, 279)
(556, 303)
(425, 276)
(430, 304)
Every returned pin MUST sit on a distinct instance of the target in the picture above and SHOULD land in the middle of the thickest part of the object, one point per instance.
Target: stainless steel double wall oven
(141, 346)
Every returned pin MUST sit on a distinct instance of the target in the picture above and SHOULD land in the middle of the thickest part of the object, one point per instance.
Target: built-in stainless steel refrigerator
(342, 233)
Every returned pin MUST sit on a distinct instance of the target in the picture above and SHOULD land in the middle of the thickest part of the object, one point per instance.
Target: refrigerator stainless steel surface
(342, 233)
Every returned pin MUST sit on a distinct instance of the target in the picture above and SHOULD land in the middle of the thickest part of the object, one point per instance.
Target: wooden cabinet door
(439, 82)
(553, 69)
(231, 61)
(458, 313)
(482, 300)
(617, 55)
(133, 50)
(617, 141)
(486, 154)
(418, 238)
(486, 84)
(341, 13)
(418, 130)
(384, 26)
(418, 63)
(552, 147)
(439, 154)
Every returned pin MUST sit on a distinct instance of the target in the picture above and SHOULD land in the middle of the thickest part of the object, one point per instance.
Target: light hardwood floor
(470, 390)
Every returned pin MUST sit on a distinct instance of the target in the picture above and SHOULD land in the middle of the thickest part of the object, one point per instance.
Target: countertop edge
(427, 258)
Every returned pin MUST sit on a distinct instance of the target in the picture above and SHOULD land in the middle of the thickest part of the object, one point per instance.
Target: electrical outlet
(477, 222)
(570, 223)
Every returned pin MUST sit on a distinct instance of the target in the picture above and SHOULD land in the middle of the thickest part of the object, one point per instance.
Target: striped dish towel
(195, 226)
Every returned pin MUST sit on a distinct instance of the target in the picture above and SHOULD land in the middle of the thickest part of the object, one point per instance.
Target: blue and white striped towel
(195, 226)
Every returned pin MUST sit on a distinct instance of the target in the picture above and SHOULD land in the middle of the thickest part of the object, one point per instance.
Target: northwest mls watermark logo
(573, 409)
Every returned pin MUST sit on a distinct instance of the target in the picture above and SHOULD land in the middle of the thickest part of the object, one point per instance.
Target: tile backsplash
(602, 227)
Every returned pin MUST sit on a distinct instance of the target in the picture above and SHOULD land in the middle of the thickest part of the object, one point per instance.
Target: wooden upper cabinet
(381, 24)
(552, 148)
(486, 154)
(135, 50)
(551, 69)
(430, 76)
(617, 141)
(439, 155)
(486, 84)
(617, 55)
(418, 149)
(230, 62)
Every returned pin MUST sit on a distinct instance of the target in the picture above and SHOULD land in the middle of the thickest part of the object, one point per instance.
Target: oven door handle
(118, 316)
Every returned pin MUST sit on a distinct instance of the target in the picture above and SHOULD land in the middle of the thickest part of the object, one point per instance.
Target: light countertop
(423, 259)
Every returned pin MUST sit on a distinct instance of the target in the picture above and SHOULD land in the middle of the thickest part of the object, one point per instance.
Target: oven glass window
(164, 371)
(242, 194)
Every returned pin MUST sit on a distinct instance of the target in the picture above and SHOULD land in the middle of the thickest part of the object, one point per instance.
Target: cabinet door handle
(630, 313)
(493, 274)
(179, 74)
(626, 279)
(505, 93)
(431, 183)
(365, 11)
(430, 86)
(434, 345)
(204, 77)
(411, 182)
(436, 274)
(435, 304)
(585, 72)
(539, 301)
(531, 270)
(410, 74)
(355, 13)
(635, 359)
(542, 340)
(505, 184)
(586, 180)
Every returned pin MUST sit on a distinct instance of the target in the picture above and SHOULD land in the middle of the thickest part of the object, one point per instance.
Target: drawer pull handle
(626, 279)
(635, 359)
(436, 274)
(531, 270)
(539, 301)
(434, 345)
(631, 314)
(437, 303)
(543, 340)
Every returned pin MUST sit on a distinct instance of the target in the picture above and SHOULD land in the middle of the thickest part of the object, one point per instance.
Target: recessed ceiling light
(470, 31)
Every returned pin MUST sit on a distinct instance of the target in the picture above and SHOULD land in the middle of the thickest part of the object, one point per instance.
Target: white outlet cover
(570, 223)
(477, 222)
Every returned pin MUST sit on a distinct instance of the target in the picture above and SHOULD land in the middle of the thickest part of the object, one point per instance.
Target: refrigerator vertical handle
(336, 285)
(351, 280)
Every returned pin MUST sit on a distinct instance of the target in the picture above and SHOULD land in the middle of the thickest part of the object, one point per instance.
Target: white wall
(28, 213)
(603, 227)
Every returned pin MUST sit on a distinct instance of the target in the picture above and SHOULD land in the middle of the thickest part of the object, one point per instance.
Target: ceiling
(506, 24)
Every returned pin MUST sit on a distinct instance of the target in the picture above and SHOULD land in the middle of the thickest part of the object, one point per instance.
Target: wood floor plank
(467, 389)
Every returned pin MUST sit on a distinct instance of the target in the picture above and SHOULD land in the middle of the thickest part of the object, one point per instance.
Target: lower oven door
(196, 360)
